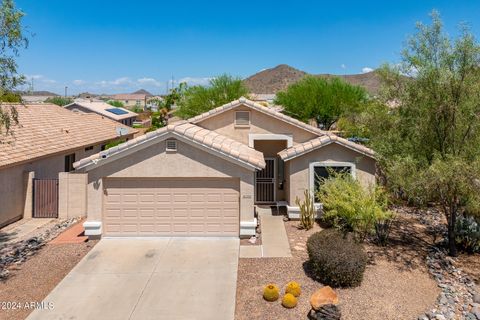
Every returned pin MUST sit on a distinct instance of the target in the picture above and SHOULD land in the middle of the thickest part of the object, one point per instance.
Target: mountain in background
(142, 91)
(37, 93)
(279, 78)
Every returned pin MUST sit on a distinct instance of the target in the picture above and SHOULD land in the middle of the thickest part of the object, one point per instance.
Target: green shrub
(59, 101)
(468, 234)
(350, 207)
(382, 231)
(336, 260)
(116, 103)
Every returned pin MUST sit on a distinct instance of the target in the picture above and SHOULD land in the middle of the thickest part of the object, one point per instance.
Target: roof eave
(126, 149)
(287, 158)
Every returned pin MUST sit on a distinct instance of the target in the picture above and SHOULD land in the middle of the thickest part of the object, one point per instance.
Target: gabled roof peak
(258, 107)
(183, 130)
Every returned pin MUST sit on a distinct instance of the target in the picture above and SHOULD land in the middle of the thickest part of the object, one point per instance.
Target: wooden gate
(45, 198)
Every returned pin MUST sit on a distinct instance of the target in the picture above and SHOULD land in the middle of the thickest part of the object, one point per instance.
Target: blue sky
(120, 46)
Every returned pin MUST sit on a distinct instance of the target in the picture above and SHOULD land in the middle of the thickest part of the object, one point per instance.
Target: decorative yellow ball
(271, 292)
(289, 301)
(293, 288)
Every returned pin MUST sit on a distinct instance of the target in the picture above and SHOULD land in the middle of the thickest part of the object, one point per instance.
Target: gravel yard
(32, 267)
(396, 284)
(37, 276)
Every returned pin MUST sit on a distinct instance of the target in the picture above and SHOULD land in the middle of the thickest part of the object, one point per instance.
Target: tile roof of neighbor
(46, 129)
(317, 143)
(101, 107)
(258, 107)
(232, 149)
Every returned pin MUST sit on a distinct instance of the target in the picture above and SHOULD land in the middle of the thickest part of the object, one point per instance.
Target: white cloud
(367, 69)
(79, 82)
(149, 82)
(192, 81)
(343, 66)
(122, 84)
(121, 81)
(34, 76)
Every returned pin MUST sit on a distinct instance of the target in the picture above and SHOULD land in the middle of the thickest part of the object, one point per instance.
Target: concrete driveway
(161, 278)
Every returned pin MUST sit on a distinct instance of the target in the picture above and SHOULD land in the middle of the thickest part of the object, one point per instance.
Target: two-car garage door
(175, 207)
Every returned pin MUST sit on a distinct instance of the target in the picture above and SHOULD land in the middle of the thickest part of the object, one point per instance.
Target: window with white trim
(320, 171)
(171, 145)
(242, 118)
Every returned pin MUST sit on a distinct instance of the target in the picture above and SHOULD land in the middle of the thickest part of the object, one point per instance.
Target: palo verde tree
(198, 99)
(325, 100)
(430, 148)
(12, 39)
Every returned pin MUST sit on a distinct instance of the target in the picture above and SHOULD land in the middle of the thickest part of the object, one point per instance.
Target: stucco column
(93, 225)
(63, 195)
(248, 223)
(28, 177)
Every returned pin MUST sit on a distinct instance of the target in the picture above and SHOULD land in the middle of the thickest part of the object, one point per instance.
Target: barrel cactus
(289, 301)
(271, 292)
(293, 288)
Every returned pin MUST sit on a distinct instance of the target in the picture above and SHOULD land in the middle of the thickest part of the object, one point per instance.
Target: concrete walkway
(274, 238)
(149, 278)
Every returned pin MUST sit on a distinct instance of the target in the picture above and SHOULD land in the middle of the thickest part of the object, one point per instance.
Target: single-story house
(131, 100)
(122, 115)
(47, 141)
(204, 176)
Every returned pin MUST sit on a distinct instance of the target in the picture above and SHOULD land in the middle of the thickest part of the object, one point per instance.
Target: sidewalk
(274, 238)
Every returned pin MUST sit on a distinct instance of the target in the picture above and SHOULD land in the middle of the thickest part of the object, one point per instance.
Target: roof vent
(171, 145)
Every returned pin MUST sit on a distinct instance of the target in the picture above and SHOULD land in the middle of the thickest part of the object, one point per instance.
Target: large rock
(322, 297)
(326, 312)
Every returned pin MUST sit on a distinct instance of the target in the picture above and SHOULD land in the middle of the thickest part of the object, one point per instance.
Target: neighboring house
(102, 108)
(131, 100)
(263, 97)
(204, 176)
(47, 141)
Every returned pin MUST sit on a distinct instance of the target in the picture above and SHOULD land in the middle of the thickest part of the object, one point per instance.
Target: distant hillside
(142, 91)
(279, 78)
(38, 93)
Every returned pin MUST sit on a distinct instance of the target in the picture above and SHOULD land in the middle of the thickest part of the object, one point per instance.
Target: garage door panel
(113, 213)
(183, 207)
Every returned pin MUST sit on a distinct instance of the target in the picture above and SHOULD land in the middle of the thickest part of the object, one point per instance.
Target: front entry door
(265, 182)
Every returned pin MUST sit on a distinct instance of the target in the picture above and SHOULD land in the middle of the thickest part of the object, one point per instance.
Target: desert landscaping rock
(323, 296)
(458, 289)
(389, 291)
(12, 256)
(326, 312)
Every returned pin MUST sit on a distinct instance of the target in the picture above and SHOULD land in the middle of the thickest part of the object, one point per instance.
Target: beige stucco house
(131, 100)
(204, 176)
(47, 141)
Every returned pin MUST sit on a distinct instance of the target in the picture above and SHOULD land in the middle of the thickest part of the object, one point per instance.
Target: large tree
(324, 100)
(12, 39)
(430, 148)
(198, 99)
